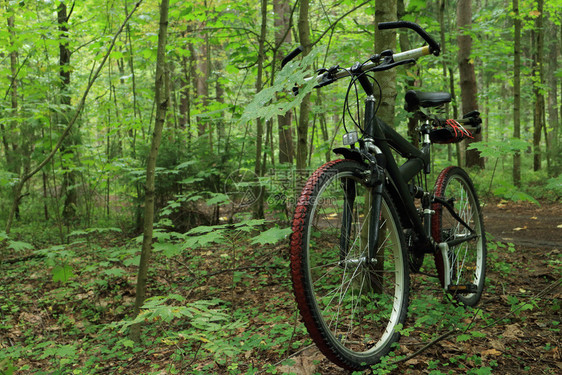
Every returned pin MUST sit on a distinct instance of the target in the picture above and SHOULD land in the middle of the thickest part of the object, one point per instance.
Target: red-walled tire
(468, 259)
(353, 309)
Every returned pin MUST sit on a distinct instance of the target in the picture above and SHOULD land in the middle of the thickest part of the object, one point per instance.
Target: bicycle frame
(379, 138)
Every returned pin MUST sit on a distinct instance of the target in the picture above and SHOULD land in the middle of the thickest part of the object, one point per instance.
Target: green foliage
(499, 148)
(267, 103)
(509, 191)
(271, 236)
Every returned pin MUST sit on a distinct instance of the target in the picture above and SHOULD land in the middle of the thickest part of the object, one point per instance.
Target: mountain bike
(364, 222)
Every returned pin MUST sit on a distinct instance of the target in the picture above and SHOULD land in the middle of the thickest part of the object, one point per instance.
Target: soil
(527, 266)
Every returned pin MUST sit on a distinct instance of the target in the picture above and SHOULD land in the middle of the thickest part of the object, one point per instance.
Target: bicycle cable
(346, 106)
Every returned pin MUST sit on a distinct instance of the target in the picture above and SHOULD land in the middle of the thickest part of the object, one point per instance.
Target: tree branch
(338, 20)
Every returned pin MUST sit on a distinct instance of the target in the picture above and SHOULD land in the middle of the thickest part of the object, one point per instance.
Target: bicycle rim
(351, 307)
(467, 261)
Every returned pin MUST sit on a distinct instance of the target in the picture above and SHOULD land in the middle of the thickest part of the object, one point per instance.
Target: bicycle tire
(468, 259)
(352, 310)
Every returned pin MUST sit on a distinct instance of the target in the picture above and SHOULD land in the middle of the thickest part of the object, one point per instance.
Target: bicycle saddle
(416, 99)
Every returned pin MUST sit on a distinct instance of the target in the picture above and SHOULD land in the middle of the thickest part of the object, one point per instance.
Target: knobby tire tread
(304, 301)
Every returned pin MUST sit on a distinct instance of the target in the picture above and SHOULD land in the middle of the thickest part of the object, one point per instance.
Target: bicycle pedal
(462, 289)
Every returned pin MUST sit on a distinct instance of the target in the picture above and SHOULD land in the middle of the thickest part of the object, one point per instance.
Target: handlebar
(294, 53)
(389, 61)
(378, 62)
(433, 45)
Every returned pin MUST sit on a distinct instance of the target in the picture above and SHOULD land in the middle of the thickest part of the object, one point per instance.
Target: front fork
(375, 179)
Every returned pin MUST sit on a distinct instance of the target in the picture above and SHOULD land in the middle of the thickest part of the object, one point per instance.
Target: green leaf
(463, 337)
(169, 249)
(62, 273)
(134, 261)
(127, 343)
(117, 272)
(271, 236)
(19, 245)
(272, 101)
(66, 351)
(204, 239)
(218, 198)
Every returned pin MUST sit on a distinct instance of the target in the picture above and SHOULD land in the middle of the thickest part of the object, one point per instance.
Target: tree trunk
(467, 75)
(258, 212)
(68, 147)
(13, 161)
(553, 117)
(516, 91)
(302, 128)
(282, 25)
(538, 113)
(202, 79)
(161, 99)
(386, 39)
(411, 82)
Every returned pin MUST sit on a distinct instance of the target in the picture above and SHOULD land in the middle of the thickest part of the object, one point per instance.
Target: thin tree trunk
(258, 212)
(302, 128)
(467, 75)
(162, 100)
(68, 146)
(553, 118)
(538, 116)
(13, 161)
(202, 79)
(516, 91)
(386, 39)
(411, 80)
(282, 23)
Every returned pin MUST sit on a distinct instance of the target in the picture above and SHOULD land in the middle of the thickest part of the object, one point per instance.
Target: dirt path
(525, 224)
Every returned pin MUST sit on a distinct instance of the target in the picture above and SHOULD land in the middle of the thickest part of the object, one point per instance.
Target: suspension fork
(350, 191)
(375, 179)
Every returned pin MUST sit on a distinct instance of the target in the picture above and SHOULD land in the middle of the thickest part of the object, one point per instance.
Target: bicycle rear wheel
(466, 260)
(352, 308)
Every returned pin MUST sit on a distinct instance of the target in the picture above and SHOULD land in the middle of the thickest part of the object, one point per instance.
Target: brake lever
(328, 76)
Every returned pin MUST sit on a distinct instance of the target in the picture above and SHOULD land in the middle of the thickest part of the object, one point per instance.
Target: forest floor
(53, 325)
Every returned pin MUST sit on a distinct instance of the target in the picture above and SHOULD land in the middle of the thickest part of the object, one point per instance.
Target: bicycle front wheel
(466, 259)
(353, 308)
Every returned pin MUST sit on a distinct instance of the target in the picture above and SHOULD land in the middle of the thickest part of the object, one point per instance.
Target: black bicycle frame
(385, 138)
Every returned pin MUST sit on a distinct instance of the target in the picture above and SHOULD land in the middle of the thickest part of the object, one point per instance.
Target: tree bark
(202, 79)
(161, 99)
(411, 82)
(302, 128)
(538, 114)
(282, 24)
(386, 39)
(68, 147)
(467, 75)
(13, 161)
(516, 91)
(258, 212)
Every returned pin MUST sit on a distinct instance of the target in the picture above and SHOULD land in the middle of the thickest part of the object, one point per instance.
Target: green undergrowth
(220, 301)
(67, 308)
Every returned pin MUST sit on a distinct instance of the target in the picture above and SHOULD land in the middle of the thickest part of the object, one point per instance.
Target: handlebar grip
(433, 45)
(294, 53)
